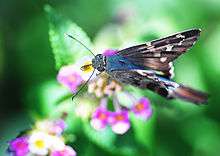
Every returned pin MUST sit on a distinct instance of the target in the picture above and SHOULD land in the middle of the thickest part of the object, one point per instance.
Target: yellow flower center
(139, 107)
(40, 143)
(87, 67)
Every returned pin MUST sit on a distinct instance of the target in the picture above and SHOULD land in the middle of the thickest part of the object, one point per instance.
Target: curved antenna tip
(80, 43)
(68, 35)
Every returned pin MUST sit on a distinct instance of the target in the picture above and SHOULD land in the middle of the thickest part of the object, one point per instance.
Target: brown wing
(164, 87)
(136, 79)
(159, 54)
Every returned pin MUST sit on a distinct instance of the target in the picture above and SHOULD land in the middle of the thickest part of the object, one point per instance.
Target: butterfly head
(99, 62)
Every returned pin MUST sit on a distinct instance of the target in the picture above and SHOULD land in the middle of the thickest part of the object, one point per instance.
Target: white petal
(120, 127)
(97, 124)
(56, 143)
(35, 150)
(39, 135)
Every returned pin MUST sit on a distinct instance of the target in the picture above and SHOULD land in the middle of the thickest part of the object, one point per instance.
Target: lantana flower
(44, 139)
(104, 88)
(119, 121)
(100, 117)
(19, 146)
(69, 77)
(39, 143)
(142, 109)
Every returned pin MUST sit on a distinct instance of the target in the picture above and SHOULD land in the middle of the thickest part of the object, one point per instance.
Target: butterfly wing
(164, 87)
(159, 54)
(138, 80)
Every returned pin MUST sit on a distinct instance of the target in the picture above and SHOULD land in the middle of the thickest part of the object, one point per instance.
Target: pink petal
(97, 124)
(19, 146)
(69, 77)
(109, 52)
(99, 118)
(68, 151)
(119, 121)
(142, 109)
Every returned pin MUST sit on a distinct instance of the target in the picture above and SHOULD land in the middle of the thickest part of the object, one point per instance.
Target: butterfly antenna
(81, 43)
(83, 86)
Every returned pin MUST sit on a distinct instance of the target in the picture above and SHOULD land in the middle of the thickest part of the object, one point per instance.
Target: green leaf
(202, 134)
(42, 99)
(144, 131)
(120, 145)
(104, 139)
(65, 50)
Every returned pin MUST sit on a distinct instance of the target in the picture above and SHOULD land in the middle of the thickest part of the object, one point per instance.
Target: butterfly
(150, 66)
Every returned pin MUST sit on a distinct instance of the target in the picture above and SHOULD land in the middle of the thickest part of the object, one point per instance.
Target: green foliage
(65, 50)
(144, 131)
(126, 145)
(104, 138)
(43, 99)
(200, 133)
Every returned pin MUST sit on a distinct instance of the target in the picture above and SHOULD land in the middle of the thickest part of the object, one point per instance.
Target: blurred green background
(27, 68)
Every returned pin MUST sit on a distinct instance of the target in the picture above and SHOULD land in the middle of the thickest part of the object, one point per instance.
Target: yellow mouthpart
(87, 67)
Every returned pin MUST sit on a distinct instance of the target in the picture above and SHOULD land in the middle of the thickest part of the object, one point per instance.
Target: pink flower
(109, 52)
(142, 109)
(54, 127)
(67, 151)
(119, 121)
(58, 127)
(19, 146)
(100, 118)
(68, 77)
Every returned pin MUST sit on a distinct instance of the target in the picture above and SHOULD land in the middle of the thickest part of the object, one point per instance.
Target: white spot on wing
(145, 72)
(169, 83)
(171, 71)
(181, 42)
(180, 36)
(170, 64)
(148, 44)
(157, 54)
(142, 72)
(163, 59)
(169, 47)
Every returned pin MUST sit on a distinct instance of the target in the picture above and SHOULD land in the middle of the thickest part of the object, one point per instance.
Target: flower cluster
(103, 87)
(118, 120)
(45, 139)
